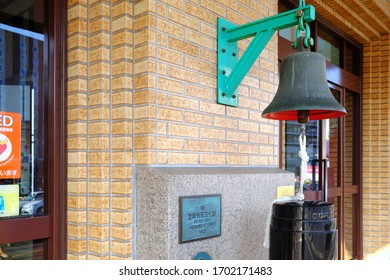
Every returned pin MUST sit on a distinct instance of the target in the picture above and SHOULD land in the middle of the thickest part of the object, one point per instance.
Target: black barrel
(303, 230)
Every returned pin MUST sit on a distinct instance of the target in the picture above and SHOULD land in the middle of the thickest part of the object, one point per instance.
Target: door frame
(57, 161)
(339, 78)
(53, 225)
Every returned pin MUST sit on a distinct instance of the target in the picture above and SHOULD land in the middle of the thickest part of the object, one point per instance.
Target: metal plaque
(199, 217)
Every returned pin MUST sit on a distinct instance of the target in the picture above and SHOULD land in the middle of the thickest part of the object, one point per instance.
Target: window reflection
(292, 159)
(352, 59)
(329, 46)
(288, 33)
(21, 127)
(22, 124)
(26, 250)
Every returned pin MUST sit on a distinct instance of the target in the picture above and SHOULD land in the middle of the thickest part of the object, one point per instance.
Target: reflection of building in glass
(2, 57)
(292, 160)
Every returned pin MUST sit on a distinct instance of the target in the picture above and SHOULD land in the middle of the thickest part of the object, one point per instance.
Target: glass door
(335, 145)
(343, 154)
(333, 167)
(312, 186)
(24, 223)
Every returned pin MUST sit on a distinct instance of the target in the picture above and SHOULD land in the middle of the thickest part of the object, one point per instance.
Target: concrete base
(247, 194)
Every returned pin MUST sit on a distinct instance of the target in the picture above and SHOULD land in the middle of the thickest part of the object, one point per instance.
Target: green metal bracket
(231, 70)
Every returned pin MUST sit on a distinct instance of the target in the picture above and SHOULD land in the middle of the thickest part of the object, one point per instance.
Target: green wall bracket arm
(231, 70)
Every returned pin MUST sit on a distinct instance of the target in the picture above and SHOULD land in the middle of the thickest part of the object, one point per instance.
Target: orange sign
(10, 142)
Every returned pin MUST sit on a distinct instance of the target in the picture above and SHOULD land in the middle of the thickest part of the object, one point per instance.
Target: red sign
(10, 142)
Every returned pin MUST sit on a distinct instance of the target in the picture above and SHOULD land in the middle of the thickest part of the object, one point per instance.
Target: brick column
(100, 62)
(142, 90)
(376, 183)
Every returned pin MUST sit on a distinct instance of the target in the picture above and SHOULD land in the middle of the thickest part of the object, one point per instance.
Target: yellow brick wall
(376, 184)
(142, 90)
(177, 119)
(100, 113)
(349, 199)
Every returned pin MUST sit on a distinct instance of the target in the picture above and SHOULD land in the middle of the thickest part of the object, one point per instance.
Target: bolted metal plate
(227, 59)
(231, 70)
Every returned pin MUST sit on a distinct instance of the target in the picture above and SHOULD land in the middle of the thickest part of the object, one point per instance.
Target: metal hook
(307, 41)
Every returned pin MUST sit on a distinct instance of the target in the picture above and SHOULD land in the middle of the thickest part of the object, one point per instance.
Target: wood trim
(334, 192)
(358, 170)
(341, 155)
(343, 78)
(351, 189)
(284, 47)
(25, 229)
(57, 131)
(281, 148)
(322, 157)
(313, 195)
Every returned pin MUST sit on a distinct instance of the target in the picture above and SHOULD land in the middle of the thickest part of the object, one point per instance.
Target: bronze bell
(303, 92)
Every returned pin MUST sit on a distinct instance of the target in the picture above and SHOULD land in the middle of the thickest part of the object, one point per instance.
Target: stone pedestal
(247, 194)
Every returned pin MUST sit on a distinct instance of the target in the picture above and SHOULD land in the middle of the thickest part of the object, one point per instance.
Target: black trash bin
(303, 230)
